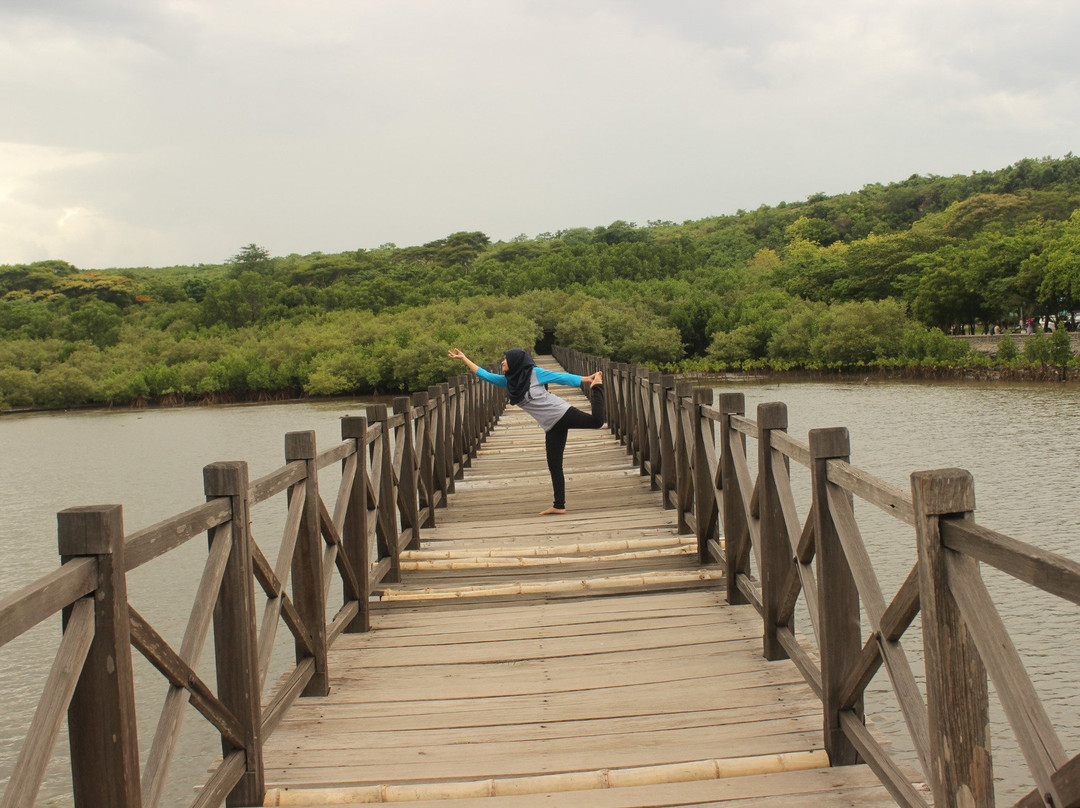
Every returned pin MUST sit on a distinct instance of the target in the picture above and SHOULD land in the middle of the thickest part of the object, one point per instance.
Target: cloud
(348, 124)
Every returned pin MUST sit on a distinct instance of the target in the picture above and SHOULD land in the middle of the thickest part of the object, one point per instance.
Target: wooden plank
(25, 608)
(889, 498)
(895, 780)
(562, 682)
(335, 454)
(275, 482)
(1048, 571)
(157, 539)
(30, 768)
(1039, 743)
(182, 677)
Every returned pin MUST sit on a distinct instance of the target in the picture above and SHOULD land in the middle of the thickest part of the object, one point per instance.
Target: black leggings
(555, 440)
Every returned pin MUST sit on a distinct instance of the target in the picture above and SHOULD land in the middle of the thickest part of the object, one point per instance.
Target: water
(150, 461)
(1021, 442)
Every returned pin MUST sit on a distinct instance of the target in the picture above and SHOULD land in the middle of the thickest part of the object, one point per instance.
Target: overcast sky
(157, 132)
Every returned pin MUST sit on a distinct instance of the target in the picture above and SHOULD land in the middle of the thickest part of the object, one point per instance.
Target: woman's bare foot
(553, 512)
(598, 378)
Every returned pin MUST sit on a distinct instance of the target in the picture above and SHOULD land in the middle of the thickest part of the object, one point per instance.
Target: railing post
(425, 457)
(407, 476)
(473, 417)
(775, 548)
(101, 717)
(444, 444)
(236, 641)
(458, 425)
(619, 421)
(354, 534)
(652, 432)
(386, 529)
(309, 597)
(737, 549)
(638, 386)
(668, 411)
(706, 511)
(956, 685)
(684, 478)
(840, 637)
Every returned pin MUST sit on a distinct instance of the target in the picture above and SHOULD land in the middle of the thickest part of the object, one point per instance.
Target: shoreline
(1041, 375)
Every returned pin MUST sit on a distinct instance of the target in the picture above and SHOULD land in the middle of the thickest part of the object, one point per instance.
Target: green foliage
(1060, 352)
(873, 276)
(1007, 352)
(859, 332)
(1038, 350)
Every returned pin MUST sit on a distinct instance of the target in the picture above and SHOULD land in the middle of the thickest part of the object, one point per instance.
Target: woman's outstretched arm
(454, 353)
(476, 370)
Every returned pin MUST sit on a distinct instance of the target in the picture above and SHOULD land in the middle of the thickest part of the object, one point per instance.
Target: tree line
(875, 277)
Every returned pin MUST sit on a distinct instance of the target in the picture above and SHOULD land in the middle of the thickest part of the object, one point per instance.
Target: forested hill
(870, 277)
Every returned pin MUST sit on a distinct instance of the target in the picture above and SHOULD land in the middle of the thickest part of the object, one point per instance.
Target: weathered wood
(736, 532)
(178, 668)
(225, 778)
(1048, 571)
(1035, 733)
(892, 776)
(309, 594)
(101, 715)
(792, 448)
(29, 771)
(154, 541)
(275, 482)
(667, 410)
(235, 636)
(405, 466)
(354, 529)
(775, 549)
(25, 608)
(286, 695)
(892, 500)
(382, 465)
(181, 675)
(685, 414)
(335, 454)
(956, 686)
(839, 630)
(1067, 783)
(425, 459)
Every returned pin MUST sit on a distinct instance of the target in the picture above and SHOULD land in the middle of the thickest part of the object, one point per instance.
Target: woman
(524, 383)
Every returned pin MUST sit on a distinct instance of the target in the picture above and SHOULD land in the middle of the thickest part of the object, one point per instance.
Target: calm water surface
(1021, 443)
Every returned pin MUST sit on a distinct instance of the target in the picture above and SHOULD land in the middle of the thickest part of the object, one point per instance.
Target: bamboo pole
(715, 769)
(551, 587)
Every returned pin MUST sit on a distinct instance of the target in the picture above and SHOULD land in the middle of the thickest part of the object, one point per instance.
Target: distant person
(525, 384)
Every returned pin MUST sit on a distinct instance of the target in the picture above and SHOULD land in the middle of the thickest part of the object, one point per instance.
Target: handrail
(397, 469)
(774, 559)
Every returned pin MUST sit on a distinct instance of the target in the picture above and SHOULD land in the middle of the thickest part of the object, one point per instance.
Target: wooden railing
(397, 468)
(695, 452)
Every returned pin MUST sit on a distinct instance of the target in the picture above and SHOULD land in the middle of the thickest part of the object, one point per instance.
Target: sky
(161, 132)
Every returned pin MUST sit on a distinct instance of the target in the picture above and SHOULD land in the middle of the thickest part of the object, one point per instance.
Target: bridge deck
(578, 660)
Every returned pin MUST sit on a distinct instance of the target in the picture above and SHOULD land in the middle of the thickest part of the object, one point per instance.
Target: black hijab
(519, 368)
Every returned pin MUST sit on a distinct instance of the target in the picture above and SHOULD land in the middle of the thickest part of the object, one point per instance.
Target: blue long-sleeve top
(541, 375)
(545, 407)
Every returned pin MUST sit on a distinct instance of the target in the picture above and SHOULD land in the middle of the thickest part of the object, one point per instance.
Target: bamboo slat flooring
(546, 690)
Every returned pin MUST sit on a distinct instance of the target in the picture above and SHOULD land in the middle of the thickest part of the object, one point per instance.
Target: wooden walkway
(581, 660)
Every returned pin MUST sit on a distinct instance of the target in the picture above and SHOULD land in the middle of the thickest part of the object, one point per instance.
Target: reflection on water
(1021, 443)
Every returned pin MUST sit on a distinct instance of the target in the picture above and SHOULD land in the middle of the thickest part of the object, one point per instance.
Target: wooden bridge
(639, 651)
